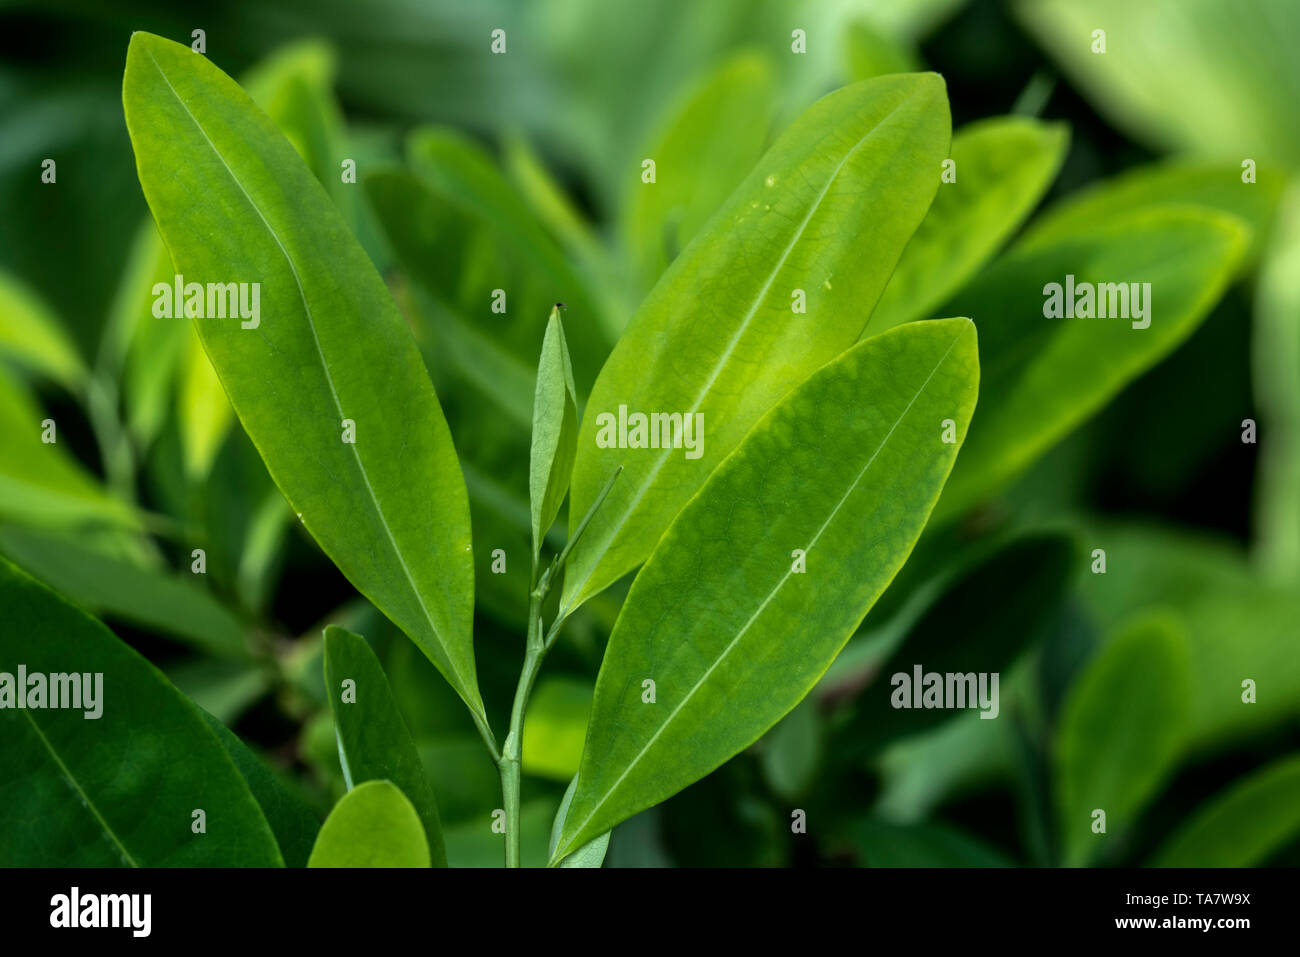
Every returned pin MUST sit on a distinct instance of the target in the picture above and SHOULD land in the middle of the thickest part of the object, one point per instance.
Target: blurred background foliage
(522, 171)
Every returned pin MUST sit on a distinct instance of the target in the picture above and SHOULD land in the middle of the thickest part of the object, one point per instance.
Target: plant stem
(512, 750)
(535, 650)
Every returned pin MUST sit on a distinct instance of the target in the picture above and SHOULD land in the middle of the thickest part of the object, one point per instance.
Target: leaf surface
(117, 790)
(294, 825)
(827, 211)
(115, 587)
(555, 431)
(31, 334)
(1043, 376)
(374, 742)
(1003, 166)
(235, 203)
(41, 484)
(709, 144)
(1240, 826)
(373, 825)
(1121, 728)
(768, 571)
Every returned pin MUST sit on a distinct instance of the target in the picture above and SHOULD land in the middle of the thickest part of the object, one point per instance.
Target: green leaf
(374, 743)
(1241, 825)
(1181, 181)
(203, 412)
(374, 825)
(869, 52)
(474, 192)
(722, 619)
(40, 483)
(1044, 376)
(708, 145)
(1004, 165)
(234, 202)
(115, 587)
(555, 209)
(1276, 367)
(1122, 728)
(591, 854)
(1187, 75)
(555, 431)
(31, 334)
(294, 825)
(881, 844)
(224, 689)
(119, 789)
(982, 622)
(828, 211)
(292, 86)
(153, 345)
(792, 751)
(555, 726)
(1239, 626)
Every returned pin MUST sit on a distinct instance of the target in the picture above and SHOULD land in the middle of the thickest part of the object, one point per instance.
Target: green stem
(508, 761)
(511, 752)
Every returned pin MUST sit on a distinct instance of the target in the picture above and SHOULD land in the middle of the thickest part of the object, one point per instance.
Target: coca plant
(760, 443)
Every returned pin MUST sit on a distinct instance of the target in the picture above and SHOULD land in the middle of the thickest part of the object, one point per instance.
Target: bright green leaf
(203, 412)
(1003, 166)
(766, 573)
(31, 334)
(1179, 181)
(40, 483)
(710, 142)
(826, 213)
(1198, 75)
(591, 854)
(374, 743)
(374, 825)
(555, 726)
(555, 430)
(235, 203)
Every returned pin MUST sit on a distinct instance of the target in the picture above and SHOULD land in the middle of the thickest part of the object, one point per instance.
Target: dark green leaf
(119, 789)
(294, 825)
(374, 743)
(1043, 376)
(1122, 727)
(1244, 823)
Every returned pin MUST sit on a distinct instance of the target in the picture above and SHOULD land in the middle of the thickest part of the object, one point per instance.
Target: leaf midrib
(853, 486)
(329, 379)
(81, 793)
(607, 538)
